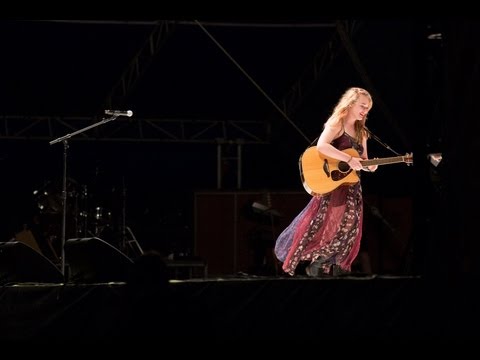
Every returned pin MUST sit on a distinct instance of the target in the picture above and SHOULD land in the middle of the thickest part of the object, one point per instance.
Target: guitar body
(321, 174)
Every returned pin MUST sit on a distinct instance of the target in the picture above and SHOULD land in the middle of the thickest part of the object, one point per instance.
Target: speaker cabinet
(235, 232)
(21, 263)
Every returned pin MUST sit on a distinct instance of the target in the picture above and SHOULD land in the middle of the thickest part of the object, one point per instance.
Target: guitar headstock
(408, 158)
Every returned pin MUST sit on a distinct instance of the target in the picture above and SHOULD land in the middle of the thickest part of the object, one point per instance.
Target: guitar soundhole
(343, 166)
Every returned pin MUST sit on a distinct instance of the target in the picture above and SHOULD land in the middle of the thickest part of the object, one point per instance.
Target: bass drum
(48, 197)
(49, 210)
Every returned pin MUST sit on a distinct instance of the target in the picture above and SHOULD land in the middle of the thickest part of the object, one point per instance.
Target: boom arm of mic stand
(64, 139)
(68, 136)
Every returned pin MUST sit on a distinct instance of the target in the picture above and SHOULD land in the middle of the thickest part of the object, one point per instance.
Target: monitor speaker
(21, 263)
(92, 260)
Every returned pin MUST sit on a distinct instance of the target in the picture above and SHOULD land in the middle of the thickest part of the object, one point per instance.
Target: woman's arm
(324, 145)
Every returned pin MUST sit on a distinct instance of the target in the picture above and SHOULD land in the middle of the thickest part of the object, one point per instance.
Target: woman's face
(360, 108)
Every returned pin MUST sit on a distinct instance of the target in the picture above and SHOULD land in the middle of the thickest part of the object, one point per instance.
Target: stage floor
(238, 307)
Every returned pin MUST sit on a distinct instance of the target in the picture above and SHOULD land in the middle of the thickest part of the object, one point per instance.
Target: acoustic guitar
(321, 174)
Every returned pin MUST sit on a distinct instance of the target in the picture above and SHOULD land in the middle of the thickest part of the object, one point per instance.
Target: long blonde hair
(349, 97)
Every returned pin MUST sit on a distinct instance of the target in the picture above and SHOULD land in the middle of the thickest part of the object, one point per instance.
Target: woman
(327, 232)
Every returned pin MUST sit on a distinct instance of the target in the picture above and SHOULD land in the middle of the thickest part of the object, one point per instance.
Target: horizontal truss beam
(122, 129)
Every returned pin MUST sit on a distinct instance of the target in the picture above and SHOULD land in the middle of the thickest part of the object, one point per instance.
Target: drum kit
(88, 214)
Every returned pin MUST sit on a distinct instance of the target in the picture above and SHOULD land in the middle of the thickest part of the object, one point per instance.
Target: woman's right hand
(355, 163)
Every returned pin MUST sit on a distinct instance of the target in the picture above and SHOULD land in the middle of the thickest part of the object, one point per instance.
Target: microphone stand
(377, 139)
(123, 243)
(64, 140)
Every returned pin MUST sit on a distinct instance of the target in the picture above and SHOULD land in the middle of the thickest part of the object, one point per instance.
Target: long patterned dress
(328, 229)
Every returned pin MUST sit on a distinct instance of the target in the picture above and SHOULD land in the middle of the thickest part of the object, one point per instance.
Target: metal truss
(311, 75)
(139, 64)
(136, 130)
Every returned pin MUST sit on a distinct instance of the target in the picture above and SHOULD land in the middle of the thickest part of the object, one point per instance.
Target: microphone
(128, 113)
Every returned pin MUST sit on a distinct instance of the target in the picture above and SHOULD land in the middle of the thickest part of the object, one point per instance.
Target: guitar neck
(384, 161)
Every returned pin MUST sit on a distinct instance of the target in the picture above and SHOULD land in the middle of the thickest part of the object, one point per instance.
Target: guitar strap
(375, 137)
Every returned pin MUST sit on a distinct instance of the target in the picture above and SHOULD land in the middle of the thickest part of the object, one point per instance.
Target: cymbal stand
(124, 216)
(64, 140)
